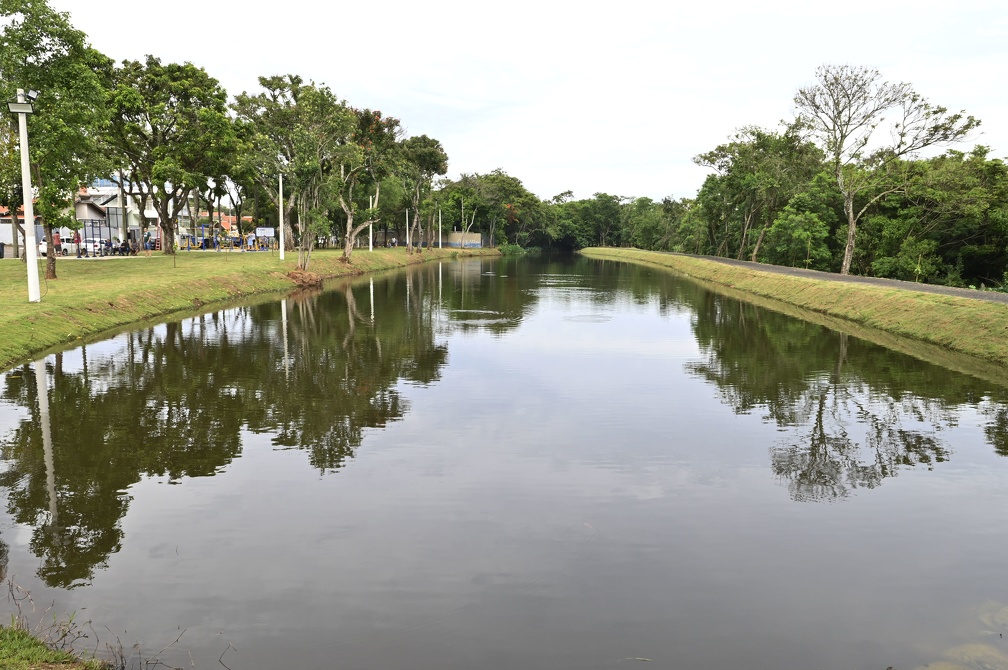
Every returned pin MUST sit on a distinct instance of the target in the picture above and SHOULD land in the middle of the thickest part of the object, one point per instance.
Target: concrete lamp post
(23, 109)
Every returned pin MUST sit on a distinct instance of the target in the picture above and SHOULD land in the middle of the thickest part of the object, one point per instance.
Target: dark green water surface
(509, 464)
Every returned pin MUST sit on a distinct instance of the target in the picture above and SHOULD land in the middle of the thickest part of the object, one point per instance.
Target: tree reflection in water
(172, 401)
(823, 462)
(854, 413)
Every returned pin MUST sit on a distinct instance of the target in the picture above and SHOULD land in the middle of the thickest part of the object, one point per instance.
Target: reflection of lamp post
(281, 213)
(283, 315)
(47, 446)
(22, 109)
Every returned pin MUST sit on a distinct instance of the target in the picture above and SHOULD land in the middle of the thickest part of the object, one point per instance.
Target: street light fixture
(23, 109)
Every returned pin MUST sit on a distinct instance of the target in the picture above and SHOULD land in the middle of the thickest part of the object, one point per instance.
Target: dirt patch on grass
(305, 279)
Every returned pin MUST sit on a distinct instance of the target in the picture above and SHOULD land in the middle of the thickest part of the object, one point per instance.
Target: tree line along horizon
(842, 187)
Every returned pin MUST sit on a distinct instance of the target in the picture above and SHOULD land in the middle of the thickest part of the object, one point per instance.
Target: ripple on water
(588, 318)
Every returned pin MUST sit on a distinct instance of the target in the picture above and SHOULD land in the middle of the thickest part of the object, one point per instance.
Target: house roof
(5, 212)
(227, 220)
(92, 208)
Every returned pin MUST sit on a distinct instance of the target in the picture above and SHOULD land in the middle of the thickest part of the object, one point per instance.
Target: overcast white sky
(613, 98)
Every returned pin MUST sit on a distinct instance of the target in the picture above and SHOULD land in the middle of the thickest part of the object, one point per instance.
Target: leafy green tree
(171, 133)
(843, 110)
(652, 225)
(798, 238)
(512, 212)
(802, 232)
(601, 219)
(562, 222)
(462, 204)
(498, 206)
(756, 173)
(320, 140)
(41, 50)
(948, 225)
(367, 159)
(271, 116)
(422, 158)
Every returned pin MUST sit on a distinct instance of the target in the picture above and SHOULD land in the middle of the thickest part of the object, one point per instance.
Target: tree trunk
(15, 230)
(167, 228)
(411, 233)
(50, 266)
(745, 234)
(419, 225)
(288, 233)
(346, 203)
(307, 237)
(759, 242)
(194, 211)
(123, 224)
(409, 246)
(851, 230)
(210, 211)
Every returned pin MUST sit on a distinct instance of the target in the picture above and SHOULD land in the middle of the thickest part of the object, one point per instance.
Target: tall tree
(171, 132)
(758, 171)
(41, 50)
(843, 110)
(365, 161)
(272, 115)
(304, 132)
(423, 157)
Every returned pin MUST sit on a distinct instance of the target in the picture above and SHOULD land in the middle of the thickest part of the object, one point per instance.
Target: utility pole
(281, 213)
(23, 109)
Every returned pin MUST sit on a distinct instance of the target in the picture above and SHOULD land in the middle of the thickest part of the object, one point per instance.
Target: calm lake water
(510, 464)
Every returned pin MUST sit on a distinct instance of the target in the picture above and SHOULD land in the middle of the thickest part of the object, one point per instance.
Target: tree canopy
(171, 133)
(40, 50)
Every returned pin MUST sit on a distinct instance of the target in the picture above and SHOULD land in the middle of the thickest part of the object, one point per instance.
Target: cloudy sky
(587, 97)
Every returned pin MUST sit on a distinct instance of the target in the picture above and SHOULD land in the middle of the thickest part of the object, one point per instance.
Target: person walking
(147, 243)
(76, 241)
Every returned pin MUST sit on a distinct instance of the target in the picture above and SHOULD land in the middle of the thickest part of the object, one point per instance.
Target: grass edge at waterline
(95, 297)
(20, 650)
(950, 330)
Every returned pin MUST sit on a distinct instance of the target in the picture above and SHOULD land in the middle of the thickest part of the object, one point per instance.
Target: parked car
(65, 248)
(90, 246)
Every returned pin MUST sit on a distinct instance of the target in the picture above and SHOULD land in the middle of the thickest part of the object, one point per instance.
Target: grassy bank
(952, 331)
(20, 651)
(98, 295)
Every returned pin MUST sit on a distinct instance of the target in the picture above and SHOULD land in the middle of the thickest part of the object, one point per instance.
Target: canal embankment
(98, 296)
(962, 329)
